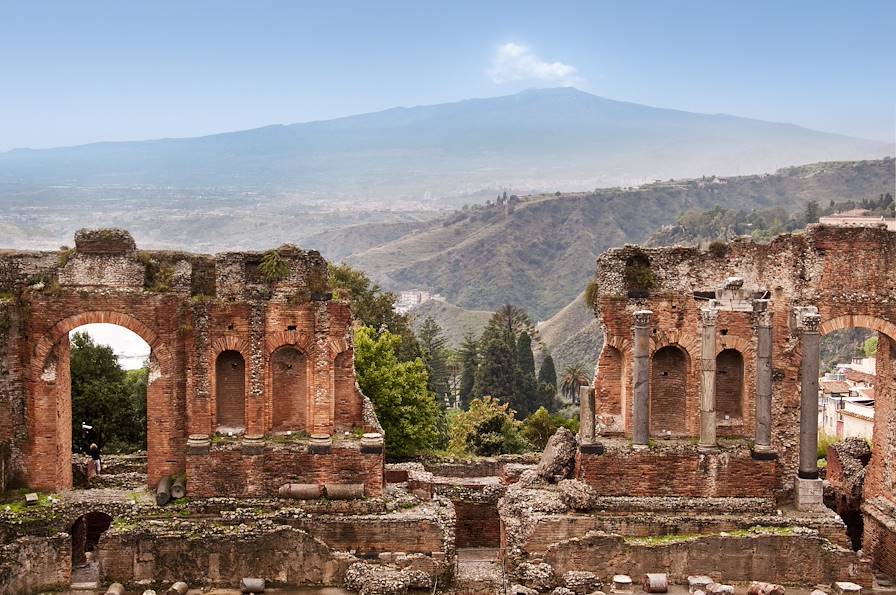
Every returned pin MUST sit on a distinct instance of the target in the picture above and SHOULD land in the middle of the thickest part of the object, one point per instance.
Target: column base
(707, 448)
(809, 495)
(640, 447)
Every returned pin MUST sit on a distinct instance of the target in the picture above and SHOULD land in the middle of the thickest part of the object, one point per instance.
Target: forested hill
(538, 252)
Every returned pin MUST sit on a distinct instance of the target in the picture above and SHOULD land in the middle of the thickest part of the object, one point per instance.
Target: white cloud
(515, 62)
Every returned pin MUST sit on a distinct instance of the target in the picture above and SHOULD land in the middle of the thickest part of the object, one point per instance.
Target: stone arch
(229, 389)
(740, 344)
(688, 342)
(290, 384)
(299, 340)
(858, 321)
(85, 532)
(49, 443)
(669, 369)
(729, 383)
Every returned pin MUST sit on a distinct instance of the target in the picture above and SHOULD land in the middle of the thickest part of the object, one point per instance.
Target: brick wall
(788, 559)
(478, 524)
(236, 471)
(684, 472)
(668, 390)
(230, 390)
(189, 309)
(729, 384)
(289, 369)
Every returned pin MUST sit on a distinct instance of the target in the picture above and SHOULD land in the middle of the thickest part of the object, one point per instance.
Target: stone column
(763, 437)
(809, 366)
(641, 377)
(586, 415)
(708, 317)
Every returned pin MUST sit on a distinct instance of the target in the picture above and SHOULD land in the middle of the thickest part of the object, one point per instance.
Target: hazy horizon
(111, 71)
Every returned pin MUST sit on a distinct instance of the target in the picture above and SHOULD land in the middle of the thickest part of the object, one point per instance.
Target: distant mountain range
(536, 140)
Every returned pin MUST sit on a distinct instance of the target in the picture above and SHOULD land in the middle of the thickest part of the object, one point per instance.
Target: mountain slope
(537, 140)
(540, 253)
(572, 335)
(456, 322)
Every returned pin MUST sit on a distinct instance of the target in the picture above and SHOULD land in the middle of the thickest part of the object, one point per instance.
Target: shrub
(273, 266)
(487, 428)
(718, 249)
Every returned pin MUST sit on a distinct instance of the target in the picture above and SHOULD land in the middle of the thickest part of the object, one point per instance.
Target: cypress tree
(524, 355)
(469, 350)
(547, 373)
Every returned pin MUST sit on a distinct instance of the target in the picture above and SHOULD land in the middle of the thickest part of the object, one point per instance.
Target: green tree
(106, 397)
(433, 348)
(497, 373)
(525, 358)
(547, 374)
(541, 425)
(399, 391)
(573, 376)
(811, 215)
(487, 428)
(373, 307)
(469, 351)
(869, 347)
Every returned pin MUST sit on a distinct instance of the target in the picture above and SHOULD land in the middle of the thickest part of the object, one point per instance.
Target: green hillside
(455, 322)
(539, 252)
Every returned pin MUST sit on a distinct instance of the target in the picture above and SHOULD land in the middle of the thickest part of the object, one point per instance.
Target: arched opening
(230, 392)
(855, 419)
(668, 391)
(50, 434)
(86, 532)
(108, 370)
(729, 385)
(289, 387)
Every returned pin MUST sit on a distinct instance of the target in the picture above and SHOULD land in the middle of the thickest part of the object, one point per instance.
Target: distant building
(410, 299)
(858, 218)
(846, 400)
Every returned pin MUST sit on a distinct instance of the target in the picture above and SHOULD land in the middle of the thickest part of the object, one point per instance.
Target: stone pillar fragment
(708, 317)
(809, 366)
(641, 376)
(586, 415)
(763, 437)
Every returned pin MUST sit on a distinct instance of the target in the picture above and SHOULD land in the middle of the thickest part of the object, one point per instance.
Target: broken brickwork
(701, 315)
(251, 379)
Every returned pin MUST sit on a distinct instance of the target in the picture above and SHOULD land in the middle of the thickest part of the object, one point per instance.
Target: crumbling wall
(189, 308)
(35, 564)
(847, 273)
(800, 559)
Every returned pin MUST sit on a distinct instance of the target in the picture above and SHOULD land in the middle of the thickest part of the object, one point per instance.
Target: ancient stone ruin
(695, 463)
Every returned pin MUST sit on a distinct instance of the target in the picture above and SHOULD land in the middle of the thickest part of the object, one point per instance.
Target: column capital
(642, 317)
(811, 323)
(762, 313)
(709, 316)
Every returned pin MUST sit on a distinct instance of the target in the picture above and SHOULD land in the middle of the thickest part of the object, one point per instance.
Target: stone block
(698, 583)
(30, 499)
(809, 495)
(846, 588)
(622, 583)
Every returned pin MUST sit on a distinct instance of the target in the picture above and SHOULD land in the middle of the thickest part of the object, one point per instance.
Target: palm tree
(573, 377)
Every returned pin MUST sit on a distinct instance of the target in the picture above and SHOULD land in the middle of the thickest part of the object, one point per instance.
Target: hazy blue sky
(77, 72)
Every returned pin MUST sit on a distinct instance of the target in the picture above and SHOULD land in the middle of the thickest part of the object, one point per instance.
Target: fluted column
(708, 318)
(809, 366)
(763, 436)
(641, 377)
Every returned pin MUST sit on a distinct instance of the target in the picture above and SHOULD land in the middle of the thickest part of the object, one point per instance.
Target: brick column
(809, 366)
(763, 436)
(641, 378)
(708, 318)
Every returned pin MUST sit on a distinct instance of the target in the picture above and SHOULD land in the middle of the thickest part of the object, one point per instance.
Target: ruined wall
(789, 559)
(281, 555)
(677, 471)
(190, 309)
(847, 273)
(35, 564)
